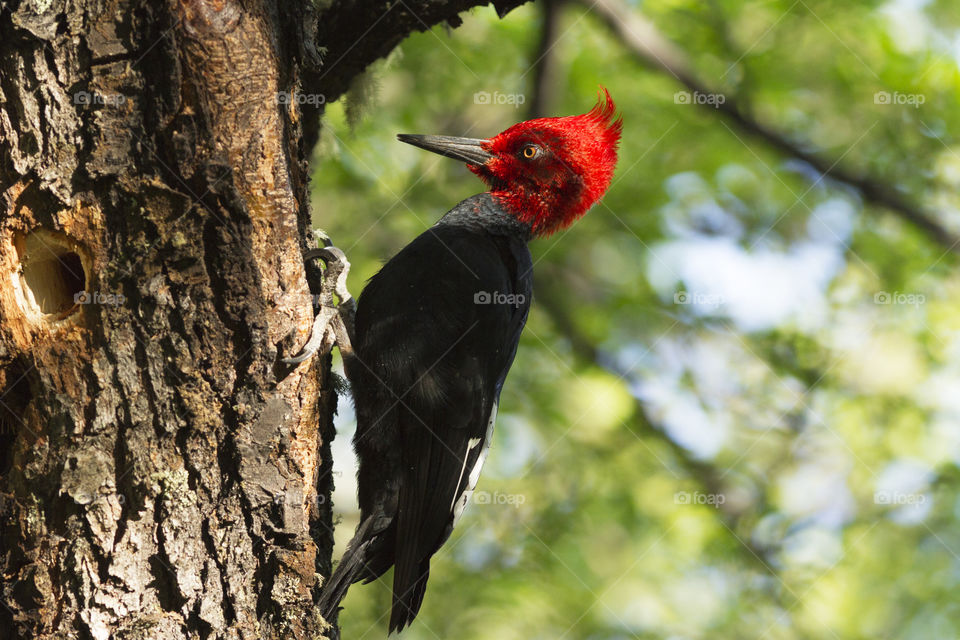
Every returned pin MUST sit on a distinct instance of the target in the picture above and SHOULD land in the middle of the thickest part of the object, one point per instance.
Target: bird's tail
(409, 585)
(412, 557)
(352, 568)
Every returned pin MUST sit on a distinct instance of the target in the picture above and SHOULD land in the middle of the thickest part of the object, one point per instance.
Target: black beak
(463, 149)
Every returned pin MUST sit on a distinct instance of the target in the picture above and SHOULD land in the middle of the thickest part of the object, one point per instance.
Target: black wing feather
(431, 362)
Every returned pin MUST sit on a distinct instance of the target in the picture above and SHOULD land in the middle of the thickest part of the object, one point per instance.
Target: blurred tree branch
(652, 49)
(544, 63)
(354, 34)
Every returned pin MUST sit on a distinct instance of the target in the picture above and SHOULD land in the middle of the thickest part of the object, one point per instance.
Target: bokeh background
(735, 411)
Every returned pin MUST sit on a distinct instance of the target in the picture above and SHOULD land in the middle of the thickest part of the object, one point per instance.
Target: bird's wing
(441, 340)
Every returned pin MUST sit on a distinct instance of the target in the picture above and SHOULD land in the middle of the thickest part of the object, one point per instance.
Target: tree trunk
(160, 465)
(162, 474)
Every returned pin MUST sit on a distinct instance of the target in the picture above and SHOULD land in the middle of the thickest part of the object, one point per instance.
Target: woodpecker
(436, 331)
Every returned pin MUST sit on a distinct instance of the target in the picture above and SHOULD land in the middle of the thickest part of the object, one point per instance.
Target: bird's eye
(530, 151)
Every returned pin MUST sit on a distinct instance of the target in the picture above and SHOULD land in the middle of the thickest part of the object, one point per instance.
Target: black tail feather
(408, 590)
(351, 568)
(380, 555)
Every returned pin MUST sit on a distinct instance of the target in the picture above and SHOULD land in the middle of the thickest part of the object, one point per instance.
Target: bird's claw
(334, 323)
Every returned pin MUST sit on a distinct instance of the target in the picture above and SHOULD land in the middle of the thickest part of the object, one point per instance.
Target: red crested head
(550, 171)
(547, 172)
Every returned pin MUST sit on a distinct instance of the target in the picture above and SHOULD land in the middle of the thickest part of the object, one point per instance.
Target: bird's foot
(334, 323)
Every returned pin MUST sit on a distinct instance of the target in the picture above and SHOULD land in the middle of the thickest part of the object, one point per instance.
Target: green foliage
(780, 460)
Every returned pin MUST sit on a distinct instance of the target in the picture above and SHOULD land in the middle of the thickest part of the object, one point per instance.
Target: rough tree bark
(162, 474)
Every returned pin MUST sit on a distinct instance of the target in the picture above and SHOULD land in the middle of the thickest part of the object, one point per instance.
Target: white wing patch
(460, 502)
